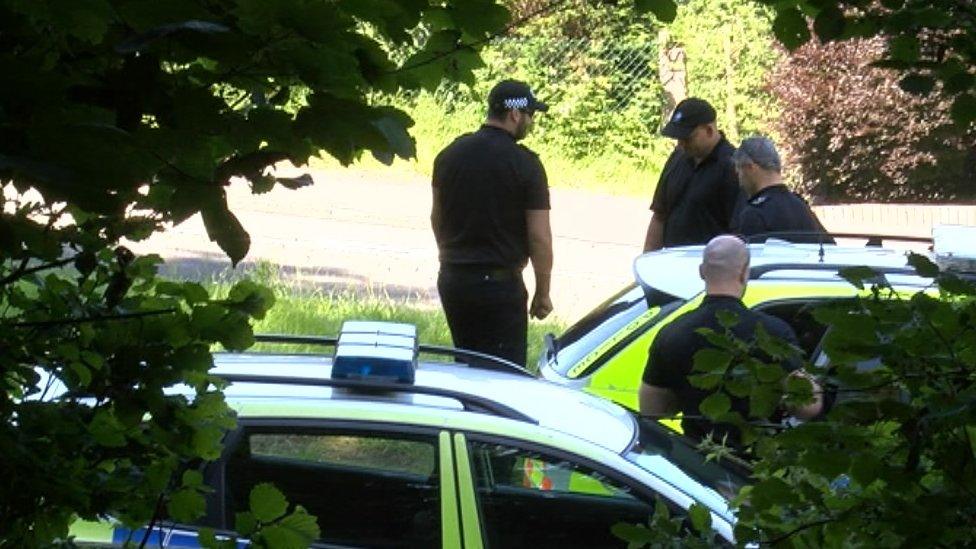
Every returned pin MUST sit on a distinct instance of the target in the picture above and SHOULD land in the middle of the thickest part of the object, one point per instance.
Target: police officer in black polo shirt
(697, 193)
(771, 206)
(490, 216)
(665, 389)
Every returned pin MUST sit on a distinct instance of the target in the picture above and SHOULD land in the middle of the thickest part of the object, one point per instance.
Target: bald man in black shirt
(665, 388)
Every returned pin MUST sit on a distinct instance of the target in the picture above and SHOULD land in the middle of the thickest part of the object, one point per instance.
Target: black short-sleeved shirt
(671, 358)
(697, 202)
(483, 184)
(778, 209)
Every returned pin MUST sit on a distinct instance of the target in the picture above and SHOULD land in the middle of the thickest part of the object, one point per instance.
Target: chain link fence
(625, 70)
(623, 73)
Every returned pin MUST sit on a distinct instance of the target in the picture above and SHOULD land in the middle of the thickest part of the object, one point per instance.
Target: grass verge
(300, 311)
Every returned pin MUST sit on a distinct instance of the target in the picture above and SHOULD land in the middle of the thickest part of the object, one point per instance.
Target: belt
(483, 272)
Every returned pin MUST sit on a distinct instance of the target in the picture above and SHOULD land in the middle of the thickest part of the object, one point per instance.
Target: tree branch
(85, 320)
(797, 530)
(23, 270)
(508, 28)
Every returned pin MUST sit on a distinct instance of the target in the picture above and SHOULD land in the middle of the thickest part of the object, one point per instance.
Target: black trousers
(486, 309)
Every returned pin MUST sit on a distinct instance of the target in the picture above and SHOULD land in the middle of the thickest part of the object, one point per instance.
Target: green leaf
(106, 429)
(192, 478)
(400, 142)
(267, 502)
(480, 18)
(634, 534)
(923, 265)
(186, 505)
(706, 381)
(86, 19)
(829, 23)
(195, 293)
(917, 84)
(293, 183)
(297, 530)
(207, 317)
(964, 109)
(790, 28)
(933, 17)
(207, 538)
(206, 442)
(712, 361)
(251, 298)
(904, 47)
(727, 319)
(715, 405)
(82, 373)
(224, 228)
(769, 373)
(858, 275)
(701, 518)
(763, 400)
(245, 524)
(664, 10)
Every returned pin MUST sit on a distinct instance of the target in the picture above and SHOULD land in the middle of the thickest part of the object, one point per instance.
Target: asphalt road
(369, 231)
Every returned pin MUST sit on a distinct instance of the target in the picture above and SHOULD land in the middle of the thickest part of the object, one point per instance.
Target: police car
(388, 448)
(605, 352)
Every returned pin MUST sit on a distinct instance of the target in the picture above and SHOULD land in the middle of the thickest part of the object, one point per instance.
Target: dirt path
(368, 231)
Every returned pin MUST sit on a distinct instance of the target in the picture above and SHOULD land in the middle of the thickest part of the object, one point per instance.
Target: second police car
(605, 352)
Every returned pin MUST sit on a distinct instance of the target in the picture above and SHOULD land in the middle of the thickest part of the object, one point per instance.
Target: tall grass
(301, 310)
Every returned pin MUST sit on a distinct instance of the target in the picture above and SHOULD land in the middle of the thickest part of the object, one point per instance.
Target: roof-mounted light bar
(376, 351)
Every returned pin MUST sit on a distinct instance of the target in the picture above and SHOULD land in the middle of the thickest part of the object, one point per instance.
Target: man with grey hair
(771, 207)
(665, 388)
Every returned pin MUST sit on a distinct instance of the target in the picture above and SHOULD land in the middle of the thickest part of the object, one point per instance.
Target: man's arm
(540, 253)
(435, 210)
(655, 234)
(656, 401)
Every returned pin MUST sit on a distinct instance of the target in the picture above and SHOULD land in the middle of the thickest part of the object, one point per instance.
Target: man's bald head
(725, 266)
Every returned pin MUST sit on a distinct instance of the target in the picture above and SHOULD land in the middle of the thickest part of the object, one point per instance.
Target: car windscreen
(609, 320)
(671, 456)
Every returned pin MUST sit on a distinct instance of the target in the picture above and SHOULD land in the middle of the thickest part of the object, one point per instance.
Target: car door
(368, 484)
(519, 494)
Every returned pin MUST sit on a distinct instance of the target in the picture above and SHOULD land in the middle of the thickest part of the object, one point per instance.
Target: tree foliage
(853, 134)
(928, 41)
(893, 462)
(119, 118)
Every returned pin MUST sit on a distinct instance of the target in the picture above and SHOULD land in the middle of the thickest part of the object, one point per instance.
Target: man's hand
(541, 306)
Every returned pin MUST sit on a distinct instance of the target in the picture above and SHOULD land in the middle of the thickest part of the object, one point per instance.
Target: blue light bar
(381, 351)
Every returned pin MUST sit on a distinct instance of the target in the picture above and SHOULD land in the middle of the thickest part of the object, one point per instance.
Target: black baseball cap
(514, 94)
(688, 115)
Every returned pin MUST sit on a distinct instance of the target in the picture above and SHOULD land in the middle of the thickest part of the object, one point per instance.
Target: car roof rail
(473, 403)
(759, 270)
(819, 237)
(477, 360)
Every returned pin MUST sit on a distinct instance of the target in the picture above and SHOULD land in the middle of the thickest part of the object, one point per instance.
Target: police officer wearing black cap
(490, 216)
(697, 193)
(771, 206)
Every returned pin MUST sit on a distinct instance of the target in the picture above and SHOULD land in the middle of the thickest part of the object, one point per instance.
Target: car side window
(529, 499)
(799, 315)
(366, 489)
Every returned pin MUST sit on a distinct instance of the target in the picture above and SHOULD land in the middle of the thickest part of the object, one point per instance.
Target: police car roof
(550, 405)
(675, 270)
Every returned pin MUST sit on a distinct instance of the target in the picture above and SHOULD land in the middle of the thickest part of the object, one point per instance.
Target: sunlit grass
(308, 311)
